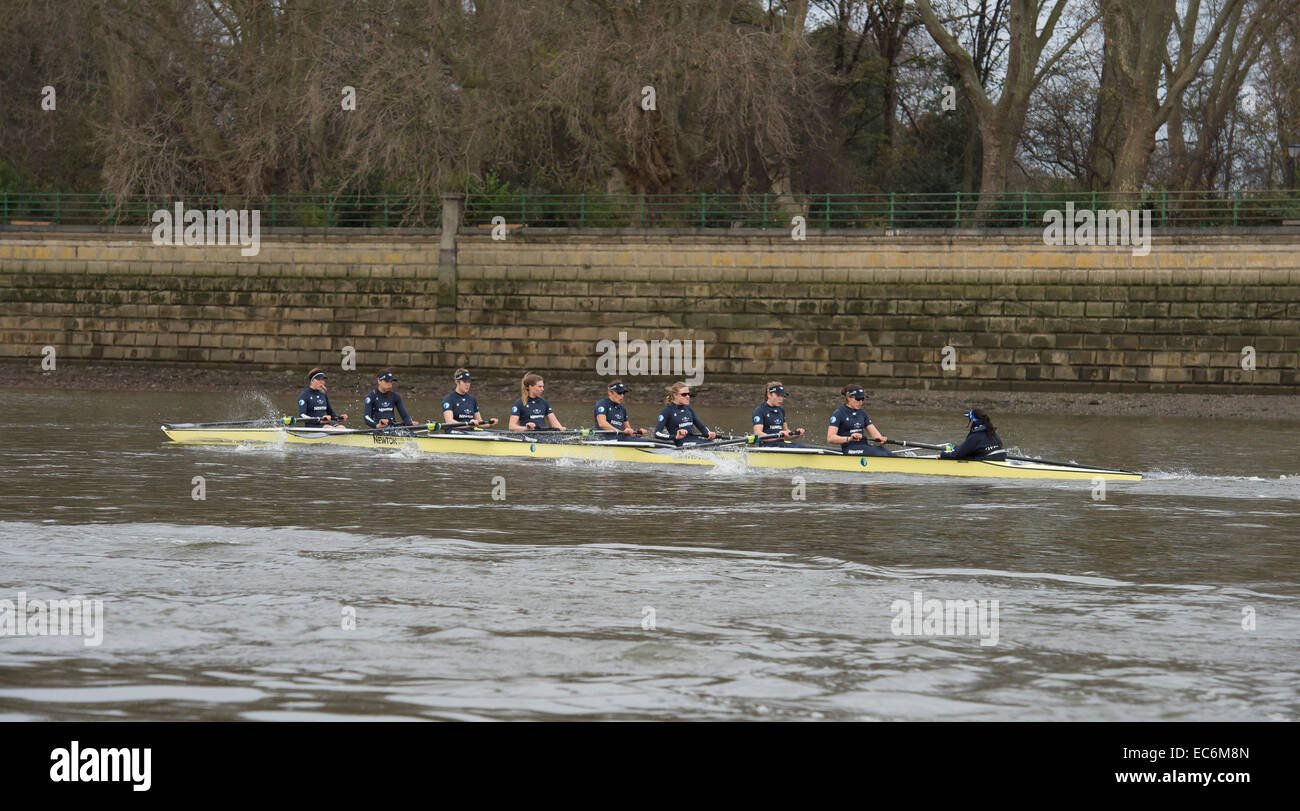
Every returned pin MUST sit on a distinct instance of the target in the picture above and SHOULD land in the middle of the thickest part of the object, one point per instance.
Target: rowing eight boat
(489, 443)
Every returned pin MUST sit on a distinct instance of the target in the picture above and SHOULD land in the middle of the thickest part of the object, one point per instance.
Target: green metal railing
(698, 210)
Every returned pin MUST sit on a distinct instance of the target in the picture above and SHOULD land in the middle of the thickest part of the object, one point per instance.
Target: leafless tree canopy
(779, 97)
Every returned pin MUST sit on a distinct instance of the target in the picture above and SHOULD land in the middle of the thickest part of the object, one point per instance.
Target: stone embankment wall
(1007, 311)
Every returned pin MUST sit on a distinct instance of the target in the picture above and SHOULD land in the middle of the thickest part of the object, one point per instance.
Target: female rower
(982, 441)
(769, 418)
(850, 426)
(530, 412)
(460, 405)
(612, 416)
(677, 422)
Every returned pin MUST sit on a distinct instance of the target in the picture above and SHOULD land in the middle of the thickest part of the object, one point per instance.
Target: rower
(530, 412)
(850, 426)
(982, 441)
(678, 423)
(460, 405)
(611, 415)
(382, 402)
(769, 419)
(314, 405)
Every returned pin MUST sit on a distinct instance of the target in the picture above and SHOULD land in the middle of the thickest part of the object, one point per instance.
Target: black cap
(315, 373)
(618, 387)
(386, 375)
(858, 394)
(776, 390)
(463, 376)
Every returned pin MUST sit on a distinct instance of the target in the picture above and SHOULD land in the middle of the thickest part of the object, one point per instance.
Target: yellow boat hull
(522, 447)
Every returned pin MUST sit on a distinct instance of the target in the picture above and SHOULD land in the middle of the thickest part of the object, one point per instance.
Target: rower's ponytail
(530, 379)
(672, 391)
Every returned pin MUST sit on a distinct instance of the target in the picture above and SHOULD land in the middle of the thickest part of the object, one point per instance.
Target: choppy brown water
(533, 607)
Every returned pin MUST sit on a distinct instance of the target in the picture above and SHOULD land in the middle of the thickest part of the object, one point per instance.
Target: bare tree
(1129, 110)
(1209, 110)
(1001, 122)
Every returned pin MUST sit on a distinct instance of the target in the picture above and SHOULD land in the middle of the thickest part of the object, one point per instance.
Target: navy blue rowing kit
(848, 421)
(534, 411)
(614, 412)
(675, 417)
(313, 405)
(769, 419)
(463, 407)
(381, 406)
(980, 443)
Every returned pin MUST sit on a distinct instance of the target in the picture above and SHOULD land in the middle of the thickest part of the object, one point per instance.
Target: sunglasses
(683, 394)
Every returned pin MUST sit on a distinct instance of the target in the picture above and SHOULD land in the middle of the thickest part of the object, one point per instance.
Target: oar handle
(296, 421)
(748, 439)
(905, 444)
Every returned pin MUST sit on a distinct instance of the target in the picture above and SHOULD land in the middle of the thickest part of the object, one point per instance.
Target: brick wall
(877, 308)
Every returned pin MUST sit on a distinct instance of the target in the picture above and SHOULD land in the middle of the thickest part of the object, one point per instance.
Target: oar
(442, 426)
(716, 443)
(904, 444)
(761, 438)
(294, 421)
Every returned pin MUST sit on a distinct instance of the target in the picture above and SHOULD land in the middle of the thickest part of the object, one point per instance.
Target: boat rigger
(591, 445)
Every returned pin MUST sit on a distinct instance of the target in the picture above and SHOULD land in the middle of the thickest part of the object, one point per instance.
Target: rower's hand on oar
(881, 440)
(713, 435)
(855, 437)
(382, 424)
(531, 426)
(798, 432)
(414, 423)
(681, 433)
(490, 422)
(343, 417)
(627, 430)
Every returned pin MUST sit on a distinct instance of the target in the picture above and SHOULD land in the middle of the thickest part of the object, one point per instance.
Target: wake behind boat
(592, 445)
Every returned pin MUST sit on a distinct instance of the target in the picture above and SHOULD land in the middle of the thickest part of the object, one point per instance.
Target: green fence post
(523, 210)
(582, 211)
(273, 211)
(958, 206)
(827, 218)
(1236, 200)
(58, 208)
(1024, 209)
(1164, 194)
(704, 205)
(641, 205)
(891, 209)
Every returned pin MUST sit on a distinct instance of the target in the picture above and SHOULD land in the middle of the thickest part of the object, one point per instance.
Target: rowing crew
(383, 406)
(850, 427)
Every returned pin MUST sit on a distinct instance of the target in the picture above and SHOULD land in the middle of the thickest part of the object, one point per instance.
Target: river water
(327, 583)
